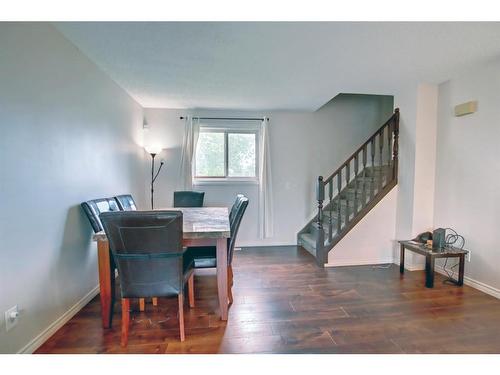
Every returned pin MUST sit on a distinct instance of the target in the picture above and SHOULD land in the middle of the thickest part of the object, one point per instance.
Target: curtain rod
(230, 118)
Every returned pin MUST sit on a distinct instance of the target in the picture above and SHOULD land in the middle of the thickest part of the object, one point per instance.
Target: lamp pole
(153, 176)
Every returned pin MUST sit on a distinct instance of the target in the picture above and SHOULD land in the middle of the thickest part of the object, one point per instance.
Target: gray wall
(303, 146)
(69, 134)
(467, 169)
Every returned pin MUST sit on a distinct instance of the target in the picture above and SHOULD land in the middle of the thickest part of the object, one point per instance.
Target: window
(226, 153)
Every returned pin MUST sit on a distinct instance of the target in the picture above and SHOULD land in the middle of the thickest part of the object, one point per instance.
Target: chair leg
(181, 316)
(142, 304)
(230, 284)
(125, 321)
(155, 301)
(191, 290)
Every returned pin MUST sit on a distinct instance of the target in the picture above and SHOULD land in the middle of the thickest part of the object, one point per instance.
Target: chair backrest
(234, 208)
(147, 249)
(241, 203)
(126, 202)
(188, 198)
(95, 207)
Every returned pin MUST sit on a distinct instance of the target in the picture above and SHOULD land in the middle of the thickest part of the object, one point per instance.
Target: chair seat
(203, 256)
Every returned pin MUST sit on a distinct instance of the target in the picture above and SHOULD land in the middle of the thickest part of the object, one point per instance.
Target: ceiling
(276, 65)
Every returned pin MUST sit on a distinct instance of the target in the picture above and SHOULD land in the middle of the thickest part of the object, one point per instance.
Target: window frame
(226, 130)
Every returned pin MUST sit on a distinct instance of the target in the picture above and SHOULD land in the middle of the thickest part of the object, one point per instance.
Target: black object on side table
(430, 257)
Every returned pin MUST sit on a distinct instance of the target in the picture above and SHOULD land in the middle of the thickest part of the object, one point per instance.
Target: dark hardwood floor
(283, 303)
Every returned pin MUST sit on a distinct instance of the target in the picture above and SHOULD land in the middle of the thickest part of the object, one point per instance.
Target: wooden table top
(424, 249)
(198, 222)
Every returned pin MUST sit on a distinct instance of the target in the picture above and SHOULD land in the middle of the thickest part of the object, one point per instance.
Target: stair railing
(365, 190)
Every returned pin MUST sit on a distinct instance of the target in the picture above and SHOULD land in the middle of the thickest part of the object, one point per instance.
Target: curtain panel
(191, 134)
(266, 222)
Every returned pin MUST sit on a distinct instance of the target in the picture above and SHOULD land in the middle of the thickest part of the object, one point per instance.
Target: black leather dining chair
(234, 207)
(95, 207)
(206, 256)
(188, 198)
(126, 202)
(147, 248)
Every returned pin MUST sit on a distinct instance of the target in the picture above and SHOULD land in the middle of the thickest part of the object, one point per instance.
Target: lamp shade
(153, 149)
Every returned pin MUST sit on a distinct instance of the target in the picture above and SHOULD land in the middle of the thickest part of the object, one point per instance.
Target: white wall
(303, 146)
(425, 158)
(69, 134)
(467, 169)
(417, 154)
(405, 99)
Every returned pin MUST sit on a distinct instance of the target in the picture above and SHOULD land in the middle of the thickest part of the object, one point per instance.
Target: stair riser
(326, 228)
(351, 195)
(308, 242)
(365, 182)
(376, 172)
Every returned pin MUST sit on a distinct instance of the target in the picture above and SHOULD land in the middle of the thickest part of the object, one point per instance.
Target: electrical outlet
(468, 256)
(11, 318)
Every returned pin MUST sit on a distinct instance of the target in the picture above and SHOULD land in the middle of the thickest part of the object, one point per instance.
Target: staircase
(350, 192)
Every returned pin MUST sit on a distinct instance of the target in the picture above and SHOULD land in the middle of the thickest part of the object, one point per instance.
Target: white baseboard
(58, 323)
(358, 262)
(488, 289)
(260, 244)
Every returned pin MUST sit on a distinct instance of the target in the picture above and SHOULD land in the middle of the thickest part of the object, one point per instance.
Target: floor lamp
(153, 151)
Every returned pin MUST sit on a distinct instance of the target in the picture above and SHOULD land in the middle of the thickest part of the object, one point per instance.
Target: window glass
(241, 155)
(210, 155)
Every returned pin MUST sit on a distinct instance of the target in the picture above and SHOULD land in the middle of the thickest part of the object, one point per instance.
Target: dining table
(202, 226)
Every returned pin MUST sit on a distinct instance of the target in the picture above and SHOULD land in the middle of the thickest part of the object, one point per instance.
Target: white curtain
(191, 134)
(266, 224)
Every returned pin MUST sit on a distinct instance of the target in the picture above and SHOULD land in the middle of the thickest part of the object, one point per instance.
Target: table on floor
(430, 257)
(202, 226)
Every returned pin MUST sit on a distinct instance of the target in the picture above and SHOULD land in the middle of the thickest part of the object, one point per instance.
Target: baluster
(381, 148)
(365, 152)
(339, 187)
(395, 148)
(372, 152)
(320, 196)
(347, 179)
(389, 144)
(356, 168)
(330, 221)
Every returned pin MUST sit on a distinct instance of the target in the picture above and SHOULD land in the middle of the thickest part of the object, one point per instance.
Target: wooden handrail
(391, 119)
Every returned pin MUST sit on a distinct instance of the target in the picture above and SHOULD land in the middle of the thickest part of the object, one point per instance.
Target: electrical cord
(451, 240)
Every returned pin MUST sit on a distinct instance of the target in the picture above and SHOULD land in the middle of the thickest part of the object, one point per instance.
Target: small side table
(430, 257)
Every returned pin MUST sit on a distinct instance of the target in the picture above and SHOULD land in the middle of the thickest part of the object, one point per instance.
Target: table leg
(429, 271)
(402, 259)
(222, 276)
(461, 270)
(106, 281)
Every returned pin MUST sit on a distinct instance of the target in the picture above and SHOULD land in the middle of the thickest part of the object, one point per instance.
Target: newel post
(320, 232)
(320, 197)
(395, 149)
